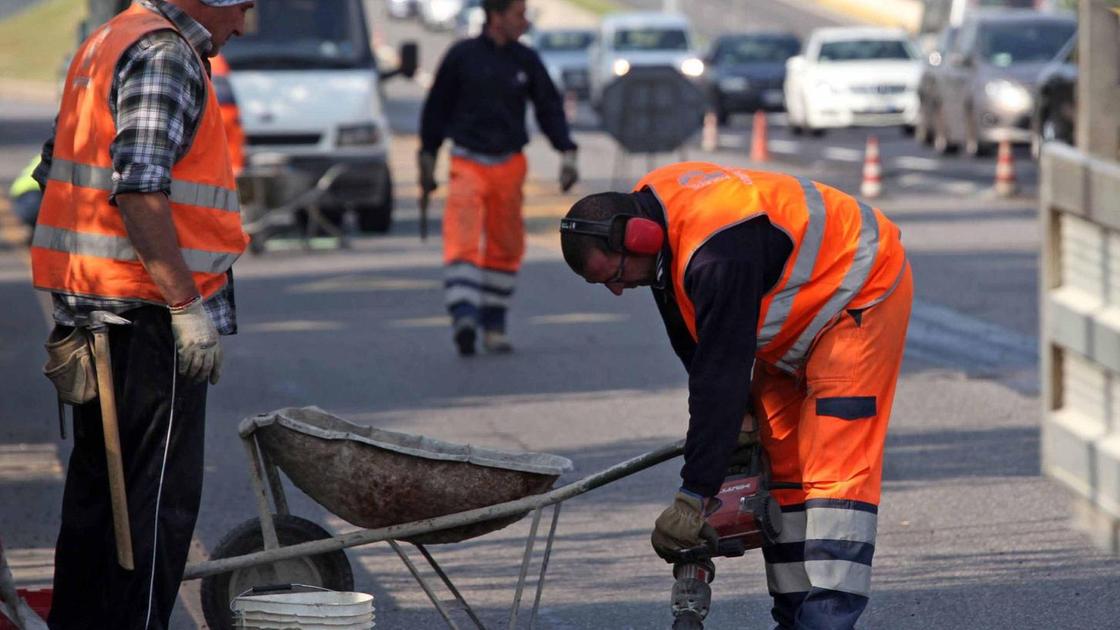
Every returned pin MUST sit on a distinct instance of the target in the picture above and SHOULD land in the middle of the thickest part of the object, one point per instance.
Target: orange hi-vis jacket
(231, 115)
(846, 255)
(80, 246)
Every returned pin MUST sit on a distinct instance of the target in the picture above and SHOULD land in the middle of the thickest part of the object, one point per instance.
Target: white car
(628, 40)
(853, 76)
(439, 14)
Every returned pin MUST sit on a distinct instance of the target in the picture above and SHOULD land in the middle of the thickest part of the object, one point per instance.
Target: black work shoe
(496, 342)
(464, 339)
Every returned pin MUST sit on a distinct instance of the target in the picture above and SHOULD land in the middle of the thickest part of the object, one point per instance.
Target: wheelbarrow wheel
(329, 570)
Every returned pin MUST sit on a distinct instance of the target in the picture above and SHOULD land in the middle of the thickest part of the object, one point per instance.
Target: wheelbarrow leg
(544, 564)
(451, 587)
(524, 567)
(272, 473)
(424, 585)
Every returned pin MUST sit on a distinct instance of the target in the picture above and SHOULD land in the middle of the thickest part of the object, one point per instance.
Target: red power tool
(744, 518)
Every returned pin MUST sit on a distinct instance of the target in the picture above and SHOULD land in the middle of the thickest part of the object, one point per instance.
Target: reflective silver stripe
(119, 248)
(463, 271)
(853, 281)
(458, 294)
(782, 303)
(828, 523)
(834, 575)
(183, 192)
(787, 577)
(499, 280)
(491, 299)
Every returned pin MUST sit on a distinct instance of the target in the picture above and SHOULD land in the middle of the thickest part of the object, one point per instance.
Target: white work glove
(569, 173)
(196, 342)
(427, 164)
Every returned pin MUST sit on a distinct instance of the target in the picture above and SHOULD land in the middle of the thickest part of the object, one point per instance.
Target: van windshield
(1004, 44)
(301, 34)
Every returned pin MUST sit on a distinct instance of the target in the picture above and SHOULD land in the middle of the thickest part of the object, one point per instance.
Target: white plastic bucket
(321, 610)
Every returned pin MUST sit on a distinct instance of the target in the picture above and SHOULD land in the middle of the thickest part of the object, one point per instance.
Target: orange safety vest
(80, 246)
(846, 255)
(231, 116)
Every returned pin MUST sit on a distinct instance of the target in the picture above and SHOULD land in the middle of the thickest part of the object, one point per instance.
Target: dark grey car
(745, 73)
(985, 92)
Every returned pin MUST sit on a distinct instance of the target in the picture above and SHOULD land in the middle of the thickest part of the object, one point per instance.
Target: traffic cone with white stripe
(709, 139)
(872, 185)
(1006, 184)
(760, 146)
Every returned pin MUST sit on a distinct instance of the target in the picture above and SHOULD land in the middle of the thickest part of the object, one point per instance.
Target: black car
(1055, 104)
(745, 72)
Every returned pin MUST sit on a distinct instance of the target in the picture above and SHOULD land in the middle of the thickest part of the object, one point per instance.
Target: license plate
(773, 97)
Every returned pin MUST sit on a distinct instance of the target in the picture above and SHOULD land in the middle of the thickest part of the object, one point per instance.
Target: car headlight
(1008, 95)
(351, 135)
(692, 67)
(620, 67)
(734, 84)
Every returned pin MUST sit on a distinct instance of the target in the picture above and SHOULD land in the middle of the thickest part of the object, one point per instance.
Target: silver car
(565, 55)
(401, 9)
(984, 95)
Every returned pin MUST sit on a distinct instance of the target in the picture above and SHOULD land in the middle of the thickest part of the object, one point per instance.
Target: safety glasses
(617, 277)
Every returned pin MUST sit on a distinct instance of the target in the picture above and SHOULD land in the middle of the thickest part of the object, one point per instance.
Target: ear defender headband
(622, 232)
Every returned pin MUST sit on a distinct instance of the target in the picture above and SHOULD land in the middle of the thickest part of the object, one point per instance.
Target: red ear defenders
(622, 232)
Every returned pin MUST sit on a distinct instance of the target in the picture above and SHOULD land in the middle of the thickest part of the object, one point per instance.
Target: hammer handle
(112, 447)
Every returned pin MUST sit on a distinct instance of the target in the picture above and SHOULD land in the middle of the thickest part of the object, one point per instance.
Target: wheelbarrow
(396, 487)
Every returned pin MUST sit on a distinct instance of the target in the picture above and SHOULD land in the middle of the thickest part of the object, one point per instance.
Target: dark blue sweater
(478, 99)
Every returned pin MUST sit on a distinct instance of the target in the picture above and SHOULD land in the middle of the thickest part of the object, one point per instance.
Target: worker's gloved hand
(569, 172)
(746, 449)
(196, 342)
(427, 164)
(682, 526)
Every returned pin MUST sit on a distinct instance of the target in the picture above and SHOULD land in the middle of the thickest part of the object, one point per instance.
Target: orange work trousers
(824, 431)
(483, 238)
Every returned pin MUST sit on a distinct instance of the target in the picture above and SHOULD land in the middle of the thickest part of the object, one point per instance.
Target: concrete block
(1068, 319)
(1068, 449)
(1063, 184)
(1102, 528)
(1104, 191)
(1108, 475)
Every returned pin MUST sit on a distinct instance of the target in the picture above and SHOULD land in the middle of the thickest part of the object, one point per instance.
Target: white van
(307, 85)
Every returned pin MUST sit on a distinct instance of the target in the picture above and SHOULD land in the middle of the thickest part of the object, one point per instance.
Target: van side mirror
(409, 56)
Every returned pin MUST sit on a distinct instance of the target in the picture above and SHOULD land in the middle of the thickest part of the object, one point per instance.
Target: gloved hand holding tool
(682, 526)
(569, 172)
(196, 341)
(427, 166)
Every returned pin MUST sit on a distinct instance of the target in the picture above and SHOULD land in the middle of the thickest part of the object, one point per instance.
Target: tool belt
(70, 364)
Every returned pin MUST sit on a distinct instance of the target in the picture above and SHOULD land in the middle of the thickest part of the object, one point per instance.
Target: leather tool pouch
(70, 364)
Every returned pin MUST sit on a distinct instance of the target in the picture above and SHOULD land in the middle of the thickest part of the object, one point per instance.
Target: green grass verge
(34, 42)
(596, 6)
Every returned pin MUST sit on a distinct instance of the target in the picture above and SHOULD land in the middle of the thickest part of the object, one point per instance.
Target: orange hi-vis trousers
(483, 238)
(824, 431)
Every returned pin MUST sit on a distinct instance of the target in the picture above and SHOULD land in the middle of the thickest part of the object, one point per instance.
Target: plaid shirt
(157, 100)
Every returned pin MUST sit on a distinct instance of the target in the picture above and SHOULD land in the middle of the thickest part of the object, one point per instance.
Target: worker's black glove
(682, 526)
(569, 173)
(427, 163)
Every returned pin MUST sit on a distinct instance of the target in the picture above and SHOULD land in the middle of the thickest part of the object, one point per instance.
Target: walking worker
(478, 100)
(140, 218)
(785, 299)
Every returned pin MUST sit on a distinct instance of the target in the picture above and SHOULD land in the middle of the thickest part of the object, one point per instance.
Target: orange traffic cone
(571, 105)
(760, 147)
(709, 140)
(1005, 171)
(872, 185)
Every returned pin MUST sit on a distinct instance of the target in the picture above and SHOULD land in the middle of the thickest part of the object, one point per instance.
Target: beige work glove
(196, 341)
(426, 162)
(682, 526)
(569, 172)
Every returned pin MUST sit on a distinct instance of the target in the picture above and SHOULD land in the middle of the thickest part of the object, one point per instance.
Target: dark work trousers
(162, 445)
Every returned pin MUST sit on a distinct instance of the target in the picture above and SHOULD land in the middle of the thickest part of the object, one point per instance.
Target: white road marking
(918, 163)
(943, 335)
(842, 154)
(345, 284)
(580, 318)
(295, 325)
(29, 462)
(784, 146)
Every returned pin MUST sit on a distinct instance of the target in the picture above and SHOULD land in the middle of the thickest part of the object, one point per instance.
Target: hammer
(97, 323)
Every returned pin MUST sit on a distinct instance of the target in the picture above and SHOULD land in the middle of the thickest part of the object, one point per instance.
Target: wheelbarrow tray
(374, 478)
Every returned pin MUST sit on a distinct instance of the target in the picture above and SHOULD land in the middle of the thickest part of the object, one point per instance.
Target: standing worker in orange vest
(231, 115)
(788, 301)
(140, 218)
(478, 100)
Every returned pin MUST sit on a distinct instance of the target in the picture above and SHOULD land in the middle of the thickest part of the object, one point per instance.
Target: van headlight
(351, 135)
(692, 67)
(1008, 95)
(620, 67)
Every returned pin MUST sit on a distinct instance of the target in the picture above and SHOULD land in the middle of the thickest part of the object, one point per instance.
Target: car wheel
(378, 217)
(329, 570)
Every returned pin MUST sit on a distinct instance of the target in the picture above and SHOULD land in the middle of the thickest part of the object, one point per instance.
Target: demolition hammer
(746, 516)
